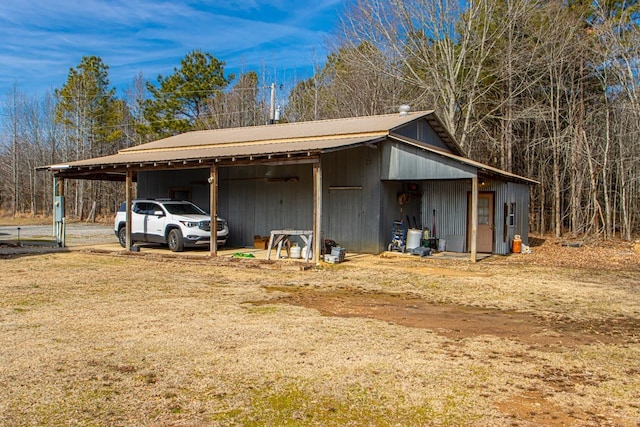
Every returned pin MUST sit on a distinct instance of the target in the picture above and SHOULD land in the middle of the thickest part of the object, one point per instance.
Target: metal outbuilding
(347, 180)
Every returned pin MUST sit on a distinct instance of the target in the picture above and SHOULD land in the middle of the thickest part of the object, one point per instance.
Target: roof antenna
(404, 110)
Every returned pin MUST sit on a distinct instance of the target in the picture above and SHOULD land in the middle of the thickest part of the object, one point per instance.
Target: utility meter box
(58, 208)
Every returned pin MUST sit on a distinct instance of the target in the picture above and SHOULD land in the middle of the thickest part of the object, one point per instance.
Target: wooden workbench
(278, 237)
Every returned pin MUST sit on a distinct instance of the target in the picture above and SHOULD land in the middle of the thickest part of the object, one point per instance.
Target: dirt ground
(548, 338)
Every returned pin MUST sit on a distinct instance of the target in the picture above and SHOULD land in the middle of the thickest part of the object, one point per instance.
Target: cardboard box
(260, 242)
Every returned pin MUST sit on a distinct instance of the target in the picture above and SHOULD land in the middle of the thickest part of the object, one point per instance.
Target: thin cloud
(43, 39)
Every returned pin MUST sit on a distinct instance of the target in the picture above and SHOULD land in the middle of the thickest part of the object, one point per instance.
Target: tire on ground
(175, 240)
(122, 236)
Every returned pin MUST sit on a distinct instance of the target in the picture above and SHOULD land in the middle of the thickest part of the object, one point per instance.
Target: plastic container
(414, 237)
(442, 245)
(296, 251)
(339, 253)
(516, 245)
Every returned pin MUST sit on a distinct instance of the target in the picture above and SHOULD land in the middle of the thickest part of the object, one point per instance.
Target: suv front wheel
(175, 241)
(122, 236)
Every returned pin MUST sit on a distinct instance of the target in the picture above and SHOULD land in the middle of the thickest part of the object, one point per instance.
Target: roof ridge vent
(404, 109)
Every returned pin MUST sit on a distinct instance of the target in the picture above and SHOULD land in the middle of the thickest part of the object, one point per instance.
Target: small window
(512, 215)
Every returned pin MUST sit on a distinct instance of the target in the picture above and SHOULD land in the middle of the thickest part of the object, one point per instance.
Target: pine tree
(180, 101)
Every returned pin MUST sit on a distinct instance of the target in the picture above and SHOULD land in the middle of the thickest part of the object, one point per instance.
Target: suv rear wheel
(175, 242)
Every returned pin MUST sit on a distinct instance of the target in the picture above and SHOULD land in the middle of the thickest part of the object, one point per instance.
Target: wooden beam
(128, 185)
(213, 208)
(474, 219)
(270, 161)
(317, 210)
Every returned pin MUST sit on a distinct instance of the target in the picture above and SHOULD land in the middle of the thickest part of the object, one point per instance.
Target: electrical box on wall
(58, 208)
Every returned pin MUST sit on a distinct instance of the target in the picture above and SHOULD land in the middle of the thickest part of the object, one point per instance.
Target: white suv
(177, 224)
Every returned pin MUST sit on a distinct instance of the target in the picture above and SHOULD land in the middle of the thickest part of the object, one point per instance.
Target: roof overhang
(304, 150)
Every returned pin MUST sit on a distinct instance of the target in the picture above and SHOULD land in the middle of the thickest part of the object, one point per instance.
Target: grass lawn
(94, 339)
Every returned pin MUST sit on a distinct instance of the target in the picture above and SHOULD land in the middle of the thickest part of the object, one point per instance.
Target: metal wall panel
(506, 194)
(157, 184)
(404, 162)
(351, 198)
(500, 190)
(519, 194)
(259, 199)
(449, 200)
(421, 131)
(358, 206)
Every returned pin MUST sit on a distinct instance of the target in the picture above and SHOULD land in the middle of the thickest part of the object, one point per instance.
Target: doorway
(486, 222)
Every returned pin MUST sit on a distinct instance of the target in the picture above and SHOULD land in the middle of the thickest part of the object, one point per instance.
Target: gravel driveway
(78, 234)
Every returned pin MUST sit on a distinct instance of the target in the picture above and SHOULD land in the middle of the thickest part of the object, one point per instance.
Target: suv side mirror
(158, 213)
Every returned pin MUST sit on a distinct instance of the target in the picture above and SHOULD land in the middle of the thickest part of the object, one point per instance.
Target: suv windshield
(183, 209)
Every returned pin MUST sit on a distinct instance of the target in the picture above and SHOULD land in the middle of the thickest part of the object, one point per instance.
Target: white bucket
(442, 245)
(295, 251)
(414, 237)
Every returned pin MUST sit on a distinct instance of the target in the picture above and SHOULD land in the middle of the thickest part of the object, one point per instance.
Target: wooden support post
(474, 219)
(317, 210)
(213, 208)
(128, 185)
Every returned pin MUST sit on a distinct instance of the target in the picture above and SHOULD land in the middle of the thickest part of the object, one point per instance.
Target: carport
(350, 171)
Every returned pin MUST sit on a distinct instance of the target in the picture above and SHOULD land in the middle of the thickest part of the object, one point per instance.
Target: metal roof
(223, 151)
(302, 141)
(287, 132)
(289, 142)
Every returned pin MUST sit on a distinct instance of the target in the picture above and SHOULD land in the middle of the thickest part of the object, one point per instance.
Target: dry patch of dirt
(457, 321)
(533, 409)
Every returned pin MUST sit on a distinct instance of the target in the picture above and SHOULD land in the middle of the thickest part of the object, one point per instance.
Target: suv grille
(206, 225)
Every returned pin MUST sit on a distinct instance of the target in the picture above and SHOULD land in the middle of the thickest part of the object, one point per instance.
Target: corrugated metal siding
(500, 190)
(258, 200)
(358, 216)
(507, 193)
(519, 194)
(157, 184)
(421, 131)
(351, 199)
(250, 198)
(404, 162)
(449, 200)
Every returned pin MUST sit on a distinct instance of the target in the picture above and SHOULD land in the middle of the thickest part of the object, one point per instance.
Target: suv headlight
(189, 224)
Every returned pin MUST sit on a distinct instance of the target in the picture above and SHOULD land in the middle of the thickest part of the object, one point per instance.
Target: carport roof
(287, 142)
(300, 141)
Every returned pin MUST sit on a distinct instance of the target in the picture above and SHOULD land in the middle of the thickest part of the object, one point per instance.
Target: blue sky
(40, 40)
